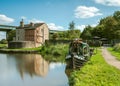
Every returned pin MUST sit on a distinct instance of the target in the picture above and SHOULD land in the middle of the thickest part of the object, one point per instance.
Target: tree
(110, 27)
(87, 33)
(3, 41)
(116, 15)
(11, 34)
(55, 36)
(72, 25)
(73, 32)
(98, 31)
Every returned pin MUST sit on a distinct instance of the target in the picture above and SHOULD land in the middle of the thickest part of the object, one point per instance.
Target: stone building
(30, 35)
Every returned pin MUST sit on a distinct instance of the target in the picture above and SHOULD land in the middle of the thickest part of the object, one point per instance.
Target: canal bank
(96, 72)
(18, 51)
(55, 54)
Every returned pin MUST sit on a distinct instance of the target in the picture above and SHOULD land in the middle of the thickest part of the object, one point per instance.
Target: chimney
(22, 23)
(31, 24)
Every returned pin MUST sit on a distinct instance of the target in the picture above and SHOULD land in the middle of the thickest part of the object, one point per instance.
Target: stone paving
(109, 58)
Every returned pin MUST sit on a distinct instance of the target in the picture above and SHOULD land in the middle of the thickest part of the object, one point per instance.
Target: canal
(31, 70)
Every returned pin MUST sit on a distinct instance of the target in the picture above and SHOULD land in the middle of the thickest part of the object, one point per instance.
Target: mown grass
(3, 45)
(24, 49)
(96, 72)
(114, 53)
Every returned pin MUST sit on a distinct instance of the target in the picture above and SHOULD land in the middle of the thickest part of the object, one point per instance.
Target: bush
(3, 41)
(55, 52)
(117, 47)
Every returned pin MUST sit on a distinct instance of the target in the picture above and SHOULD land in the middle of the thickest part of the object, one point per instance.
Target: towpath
(109, 58)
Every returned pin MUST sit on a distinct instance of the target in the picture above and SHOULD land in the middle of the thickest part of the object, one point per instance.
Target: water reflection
(32, 69)
(33, 64)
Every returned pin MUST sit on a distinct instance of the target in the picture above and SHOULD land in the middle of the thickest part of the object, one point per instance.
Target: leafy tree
(3, 41)
(72, 25)
(55, 36)
(116, 15)
(11, 34)
(87, 33)
(72, 32)
(98, 31)
(108, 27)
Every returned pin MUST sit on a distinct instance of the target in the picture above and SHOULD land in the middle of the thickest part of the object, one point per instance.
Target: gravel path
(109, 58)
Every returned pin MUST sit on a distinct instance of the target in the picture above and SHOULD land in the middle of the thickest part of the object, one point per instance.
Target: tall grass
(54, 52)
(96, 72)
(117, 47)
(114, 53)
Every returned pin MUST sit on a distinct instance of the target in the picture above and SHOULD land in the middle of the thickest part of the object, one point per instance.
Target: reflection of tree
(32, 64)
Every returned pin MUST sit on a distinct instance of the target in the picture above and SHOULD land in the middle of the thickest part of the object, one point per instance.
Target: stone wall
(21, 44)
(20, 34)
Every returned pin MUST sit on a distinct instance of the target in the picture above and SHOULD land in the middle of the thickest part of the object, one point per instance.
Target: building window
(18, 37)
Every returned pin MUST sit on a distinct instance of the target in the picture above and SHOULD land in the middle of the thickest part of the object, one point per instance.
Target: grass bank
(114, 53)
(54, 52)
(51, 52)
(3, 45)
(96, 72)
(20, 50)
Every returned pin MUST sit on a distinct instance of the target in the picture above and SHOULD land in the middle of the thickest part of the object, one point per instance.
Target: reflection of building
(32, 64)
(40, 66)
(30, 35)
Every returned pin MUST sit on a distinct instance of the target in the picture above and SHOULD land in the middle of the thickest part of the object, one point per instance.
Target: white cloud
(35, 21)
(82, 27)
(52, 26)
(5, 20)
(109, 2)
(86, 12)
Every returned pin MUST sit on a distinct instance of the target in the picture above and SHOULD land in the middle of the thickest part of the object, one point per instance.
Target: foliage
(11, 34)
(117, 47)
(87, 34)
(116, 15)
(55, 52)
(55, 36)
(115, 53)
(3, 41)
(108, 27)
(72, 25)
(96, 73)
(70, 34)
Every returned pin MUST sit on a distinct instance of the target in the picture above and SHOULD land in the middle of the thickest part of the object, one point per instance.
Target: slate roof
(29, 26)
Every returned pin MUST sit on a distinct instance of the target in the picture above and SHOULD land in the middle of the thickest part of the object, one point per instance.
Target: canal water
(31, 70)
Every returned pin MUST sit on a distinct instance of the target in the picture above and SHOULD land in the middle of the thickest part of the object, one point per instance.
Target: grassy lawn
(3, 45)
(114, 53)
(24, 49)
(96, 72)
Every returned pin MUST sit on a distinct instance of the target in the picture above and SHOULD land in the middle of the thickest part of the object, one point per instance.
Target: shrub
(117, 47)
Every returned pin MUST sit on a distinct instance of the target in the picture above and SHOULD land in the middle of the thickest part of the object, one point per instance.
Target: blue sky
(56, 13)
